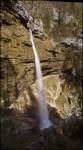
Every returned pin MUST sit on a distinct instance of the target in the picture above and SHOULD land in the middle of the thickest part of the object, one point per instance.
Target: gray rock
(56, 14)
(76, 42)
(21, 10)
(38, 29)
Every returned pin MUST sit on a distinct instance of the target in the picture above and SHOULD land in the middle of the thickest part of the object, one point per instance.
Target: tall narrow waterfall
(43, 111)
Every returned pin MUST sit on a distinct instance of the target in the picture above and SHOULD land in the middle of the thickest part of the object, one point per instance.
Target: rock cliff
(61, 64)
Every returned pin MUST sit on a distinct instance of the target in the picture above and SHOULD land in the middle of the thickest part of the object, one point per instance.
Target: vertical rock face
(56, 57)
(38, 29)
(60, 96)
(17, 9)
(61, 63)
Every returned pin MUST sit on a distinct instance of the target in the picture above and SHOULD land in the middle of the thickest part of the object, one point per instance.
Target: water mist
(43, 111)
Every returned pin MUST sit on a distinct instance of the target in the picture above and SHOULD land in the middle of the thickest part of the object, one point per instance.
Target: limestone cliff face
(62, 58)
(17, 60)
(60, 53)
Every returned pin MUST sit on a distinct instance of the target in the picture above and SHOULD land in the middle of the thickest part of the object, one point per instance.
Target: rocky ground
(61, 67)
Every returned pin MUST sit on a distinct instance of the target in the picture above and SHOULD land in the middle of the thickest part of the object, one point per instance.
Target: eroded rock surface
(61, 64)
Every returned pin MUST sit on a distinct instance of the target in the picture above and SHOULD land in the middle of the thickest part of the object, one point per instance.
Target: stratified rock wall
(16, 50)
(61, 64)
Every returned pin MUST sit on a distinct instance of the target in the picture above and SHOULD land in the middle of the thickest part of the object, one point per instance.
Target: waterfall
(43, 111)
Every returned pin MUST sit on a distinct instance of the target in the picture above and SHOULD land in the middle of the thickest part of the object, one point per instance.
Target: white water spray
(43, 111)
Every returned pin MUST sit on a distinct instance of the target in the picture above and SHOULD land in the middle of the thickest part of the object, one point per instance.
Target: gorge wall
(59, 43)
(17, 56)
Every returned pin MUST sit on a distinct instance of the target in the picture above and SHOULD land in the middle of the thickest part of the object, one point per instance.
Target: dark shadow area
(74, 74)
(63, 135)
(8, 82)
(9, 6)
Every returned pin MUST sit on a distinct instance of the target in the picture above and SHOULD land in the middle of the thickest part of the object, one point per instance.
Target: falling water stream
(43, 111)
